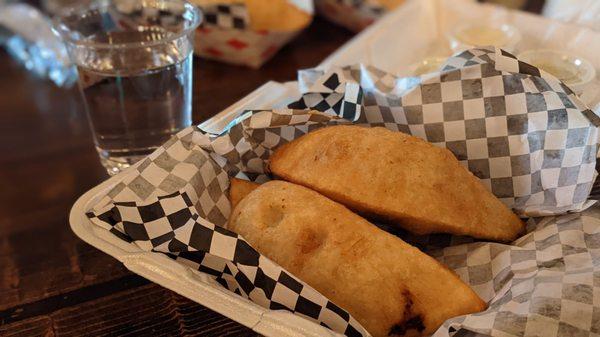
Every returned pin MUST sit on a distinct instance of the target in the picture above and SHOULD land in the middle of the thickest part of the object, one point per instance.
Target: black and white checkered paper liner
(229, 16)
(546, 283)
(129, 15)
(529, 139)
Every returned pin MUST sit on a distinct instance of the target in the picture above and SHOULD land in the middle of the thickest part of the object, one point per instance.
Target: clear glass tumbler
(134, 59)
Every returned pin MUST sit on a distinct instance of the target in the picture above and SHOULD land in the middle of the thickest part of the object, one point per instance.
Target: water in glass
(135, 110)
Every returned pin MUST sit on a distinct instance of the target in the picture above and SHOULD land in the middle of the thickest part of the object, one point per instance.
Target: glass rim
(59, 28)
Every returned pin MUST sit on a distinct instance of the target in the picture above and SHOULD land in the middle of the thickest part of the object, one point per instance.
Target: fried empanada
(390, 287)
(397, 178)
(238, 189)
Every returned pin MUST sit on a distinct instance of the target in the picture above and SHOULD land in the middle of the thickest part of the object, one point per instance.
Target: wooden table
(51, 282)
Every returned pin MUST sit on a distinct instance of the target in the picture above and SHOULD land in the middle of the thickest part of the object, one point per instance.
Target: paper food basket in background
(372, 47)
(249, 32)
(581, 12)
(355, 14)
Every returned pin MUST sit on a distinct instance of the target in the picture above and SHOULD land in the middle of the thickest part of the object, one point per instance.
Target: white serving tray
(417, 27)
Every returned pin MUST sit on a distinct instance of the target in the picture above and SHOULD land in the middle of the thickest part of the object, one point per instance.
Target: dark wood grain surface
(51, 282)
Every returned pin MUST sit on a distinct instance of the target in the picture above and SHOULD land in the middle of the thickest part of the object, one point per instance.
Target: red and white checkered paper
(244, 47)
(226, 35)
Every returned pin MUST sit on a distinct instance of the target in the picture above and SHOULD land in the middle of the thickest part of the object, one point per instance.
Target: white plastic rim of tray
(424, 22)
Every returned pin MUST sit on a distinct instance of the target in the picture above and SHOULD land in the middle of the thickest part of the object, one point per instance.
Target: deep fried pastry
(238, 189)
(398, 178)
(390, 287)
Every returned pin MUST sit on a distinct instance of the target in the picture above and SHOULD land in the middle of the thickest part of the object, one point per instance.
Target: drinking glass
(134, 59)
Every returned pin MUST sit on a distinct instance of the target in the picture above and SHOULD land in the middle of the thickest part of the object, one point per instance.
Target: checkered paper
(226, 16)
(529, 139)
(131, 15)
(546, 283)
(234, 16)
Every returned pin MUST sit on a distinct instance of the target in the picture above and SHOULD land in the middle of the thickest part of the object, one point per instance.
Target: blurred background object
(581, 12)
(245, 32)
(355, 14)
(514, 4)
(534, 6)
(468, 35)
(249, 32)
(358, 14)
(573, 71)
(28, 37)
(54, 7)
